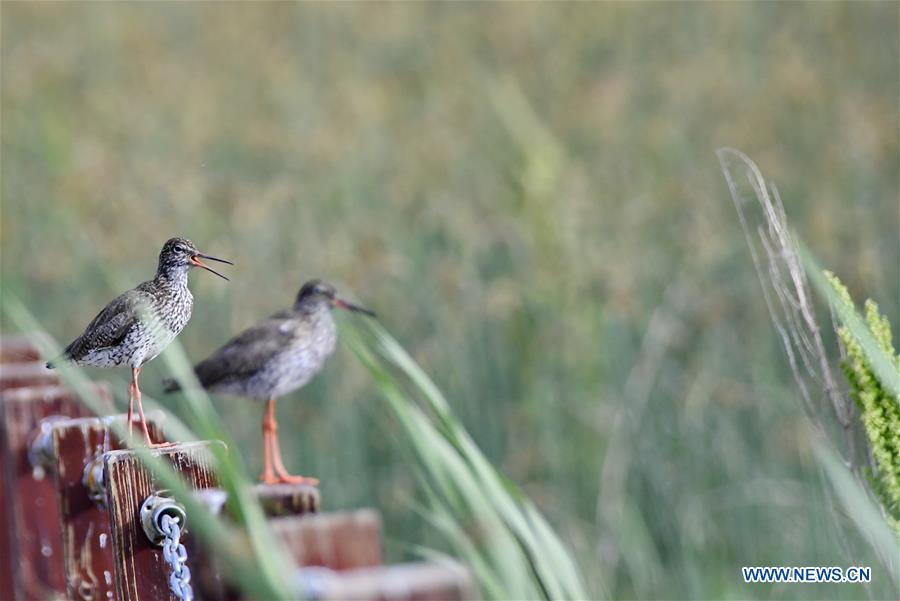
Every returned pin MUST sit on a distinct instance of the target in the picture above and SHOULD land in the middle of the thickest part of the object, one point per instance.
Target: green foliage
(490, 523)
(861, 509)
(879, 409)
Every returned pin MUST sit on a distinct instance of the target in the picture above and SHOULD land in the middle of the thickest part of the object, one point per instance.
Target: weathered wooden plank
(18, 349)
(13, 349)
(338, 541)
(426, 581)
(275, 499)
(85, 524)
(7, 586)
(342, 540)
(140, 571)
(34, 551)
(21, 375)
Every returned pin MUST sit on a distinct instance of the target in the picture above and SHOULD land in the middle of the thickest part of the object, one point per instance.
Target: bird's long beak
(195, 260)
(342, 304)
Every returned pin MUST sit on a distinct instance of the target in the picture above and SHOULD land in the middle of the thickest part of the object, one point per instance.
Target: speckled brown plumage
(138, 325)
(275, 357)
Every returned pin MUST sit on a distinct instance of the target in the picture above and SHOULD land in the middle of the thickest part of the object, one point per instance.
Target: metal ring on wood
(40, 446)
(154, 507)
(94, 480)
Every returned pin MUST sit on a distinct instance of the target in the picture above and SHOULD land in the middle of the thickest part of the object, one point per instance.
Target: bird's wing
(111, 325)
(248, 352)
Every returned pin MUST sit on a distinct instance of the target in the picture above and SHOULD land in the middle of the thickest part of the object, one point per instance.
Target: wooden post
(33, 551)
(140, 571)
(85, 523)
(424, 581)
(21, 375)
(13, 349)
(343, 540)
(339, 558)
(18, 349)
(275, 499)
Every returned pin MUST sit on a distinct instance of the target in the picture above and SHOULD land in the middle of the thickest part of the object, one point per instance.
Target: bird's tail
(171, 385)
(54, 362)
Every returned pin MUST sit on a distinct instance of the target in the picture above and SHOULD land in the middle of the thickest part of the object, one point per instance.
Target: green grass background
(529, 197)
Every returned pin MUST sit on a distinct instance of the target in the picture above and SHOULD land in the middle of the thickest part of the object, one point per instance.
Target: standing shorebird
(273, 358)
(136, 326)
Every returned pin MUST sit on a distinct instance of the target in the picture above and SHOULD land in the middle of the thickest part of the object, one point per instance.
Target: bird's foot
(287, 479)
(159, 445)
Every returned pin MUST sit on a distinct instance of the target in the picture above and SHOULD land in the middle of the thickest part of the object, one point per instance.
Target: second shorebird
(276, 357)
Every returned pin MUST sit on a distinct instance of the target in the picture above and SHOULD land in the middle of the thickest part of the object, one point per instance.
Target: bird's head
(317, 292)
(180, 254)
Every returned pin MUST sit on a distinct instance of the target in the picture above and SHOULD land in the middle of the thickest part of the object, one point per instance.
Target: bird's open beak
(195, 260)
(342, 304)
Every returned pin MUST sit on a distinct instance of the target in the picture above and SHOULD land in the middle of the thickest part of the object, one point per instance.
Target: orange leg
(135, 373)
(272, 453)
(131, 405)
(268, 426)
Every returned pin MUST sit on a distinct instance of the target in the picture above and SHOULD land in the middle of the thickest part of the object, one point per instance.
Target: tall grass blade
(510, 547)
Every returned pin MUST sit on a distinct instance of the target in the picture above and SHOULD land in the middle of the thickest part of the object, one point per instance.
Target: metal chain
(176, 555)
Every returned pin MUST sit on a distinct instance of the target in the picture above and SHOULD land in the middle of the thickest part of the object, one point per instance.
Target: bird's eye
(180, 249)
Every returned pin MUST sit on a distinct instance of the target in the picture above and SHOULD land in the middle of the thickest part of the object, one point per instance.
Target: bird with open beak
(276, 357)
(136, 326)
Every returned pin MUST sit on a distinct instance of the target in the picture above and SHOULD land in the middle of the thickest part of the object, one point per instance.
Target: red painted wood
(425, 581)
(13, 349)
(339, 558)
(18, 349)
(342, 540)
(85, 524)
(275, 500)
(34, 552)
(21, 375)
(338, 541)
(140, 572)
